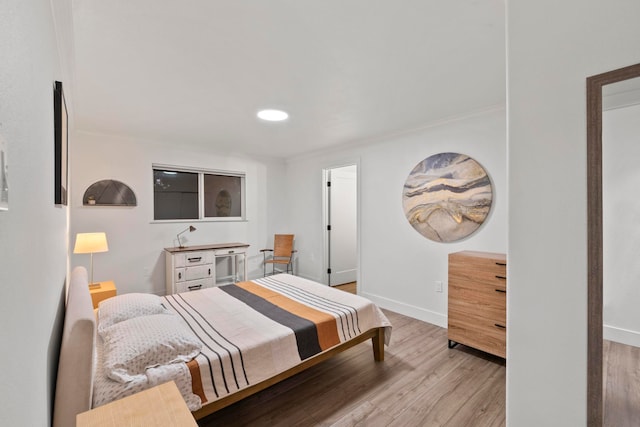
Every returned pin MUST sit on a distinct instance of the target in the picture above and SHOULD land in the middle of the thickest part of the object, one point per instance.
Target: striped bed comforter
(254, 330)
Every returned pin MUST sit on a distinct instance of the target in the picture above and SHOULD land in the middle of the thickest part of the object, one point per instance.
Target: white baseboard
(620, 335)
(428, 316)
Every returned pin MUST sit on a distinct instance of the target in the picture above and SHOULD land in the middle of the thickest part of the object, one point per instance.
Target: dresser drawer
(491, 305)
(489, 271)
(478, 332)
(193, 273)
(194, 285)
(193, 258)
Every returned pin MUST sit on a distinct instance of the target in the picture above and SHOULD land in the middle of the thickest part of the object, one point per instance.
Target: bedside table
(158, 406)
(102, 292)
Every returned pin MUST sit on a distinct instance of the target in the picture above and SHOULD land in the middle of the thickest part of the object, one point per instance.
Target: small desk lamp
(90, 243)
(190, 230)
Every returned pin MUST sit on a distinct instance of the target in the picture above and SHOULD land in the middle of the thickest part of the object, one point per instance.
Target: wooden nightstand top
(99, 293)
(158, 406)
(104, 286)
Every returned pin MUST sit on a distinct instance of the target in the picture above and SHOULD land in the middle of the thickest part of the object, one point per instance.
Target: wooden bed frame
(377, 338)
(74, 386)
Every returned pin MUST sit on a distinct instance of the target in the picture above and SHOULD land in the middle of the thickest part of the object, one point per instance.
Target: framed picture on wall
(61, 145)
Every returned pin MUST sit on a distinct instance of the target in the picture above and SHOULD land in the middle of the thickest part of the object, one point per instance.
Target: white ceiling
(621, 94)
(347, 71)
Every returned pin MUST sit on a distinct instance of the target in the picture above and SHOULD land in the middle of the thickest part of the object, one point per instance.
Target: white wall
(552, 48)
(621, 224)
(33, 232)
(398, 266)
(135, 261)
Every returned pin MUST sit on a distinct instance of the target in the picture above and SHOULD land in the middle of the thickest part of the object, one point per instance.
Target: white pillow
(132, 346)
(127, 306)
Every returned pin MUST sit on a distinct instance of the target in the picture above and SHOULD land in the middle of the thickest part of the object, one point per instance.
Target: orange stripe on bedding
(196, 380)
(325, 323)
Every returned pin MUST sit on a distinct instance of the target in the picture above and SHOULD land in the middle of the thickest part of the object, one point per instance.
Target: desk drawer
(193, 258)
(194, 285)
(193, 273)
(231, 251)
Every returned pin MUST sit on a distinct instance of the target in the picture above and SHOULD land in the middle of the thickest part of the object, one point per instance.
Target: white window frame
(201, 173)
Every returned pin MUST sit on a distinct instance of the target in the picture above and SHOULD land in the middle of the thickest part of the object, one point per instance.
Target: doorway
(595, 85)
(340, 213)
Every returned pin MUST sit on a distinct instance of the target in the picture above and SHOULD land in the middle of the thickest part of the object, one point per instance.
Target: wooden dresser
(477, 314)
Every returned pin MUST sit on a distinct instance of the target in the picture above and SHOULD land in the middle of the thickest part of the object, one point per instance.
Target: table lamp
(90, 243)
(191, 229)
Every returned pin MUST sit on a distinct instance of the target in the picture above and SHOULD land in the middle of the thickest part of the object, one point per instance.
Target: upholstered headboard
(75, 368)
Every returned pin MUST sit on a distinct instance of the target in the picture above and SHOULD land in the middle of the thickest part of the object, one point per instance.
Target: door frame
(326, 173)
(595, 408)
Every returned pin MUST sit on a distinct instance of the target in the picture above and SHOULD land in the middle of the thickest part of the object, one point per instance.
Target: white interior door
(342, 225)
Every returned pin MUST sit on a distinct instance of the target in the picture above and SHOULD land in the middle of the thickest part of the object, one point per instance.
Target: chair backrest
(282, 245)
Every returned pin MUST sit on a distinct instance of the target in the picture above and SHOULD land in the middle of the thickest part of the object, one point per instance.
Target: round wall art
(447, 196)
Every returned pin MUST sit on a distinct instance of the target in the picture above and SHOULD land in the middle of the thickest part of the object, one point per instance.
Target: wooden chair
(281, 254)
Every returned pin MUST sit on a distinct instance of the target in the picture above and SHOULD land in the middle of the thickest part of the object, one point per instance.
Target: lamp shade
(90, 243)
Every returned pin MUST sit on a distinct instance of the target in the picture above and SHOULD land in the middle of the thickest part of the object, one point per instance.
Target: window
(181, 193)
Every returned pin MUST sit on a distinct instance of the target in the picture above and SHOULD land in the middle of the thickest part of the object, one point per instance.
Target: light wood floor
(621, 367)
(420, 383)
(348, 287)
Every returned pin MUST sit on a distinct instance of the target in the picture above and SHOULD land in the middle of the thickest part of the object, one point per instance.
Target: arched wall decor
(447, 197)
(109, 192)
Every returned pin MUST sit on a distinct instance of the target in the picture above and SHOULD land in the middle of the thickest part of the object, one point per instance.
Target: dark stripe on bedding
(313, 299)
(224, 378)
(326, 325)
(343, 311)
(213, 382)
(269, 283)
(305, 331)
(212, 328)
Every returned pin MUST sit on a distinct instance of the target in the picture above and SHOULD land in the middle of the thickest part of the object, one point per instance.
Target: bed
(250, 335)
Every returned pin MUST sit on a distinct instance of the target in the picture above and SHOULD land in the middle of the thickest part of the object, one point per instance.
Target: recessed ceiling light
(273, 115)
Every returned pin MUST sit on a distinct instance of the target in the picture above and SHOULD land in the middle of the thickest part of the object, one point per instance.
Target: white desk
(196, 267)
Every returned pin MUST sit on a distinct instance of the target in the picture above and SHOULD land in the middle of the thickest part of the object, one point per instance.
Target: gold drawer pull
(497, 325)
(501, 277)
